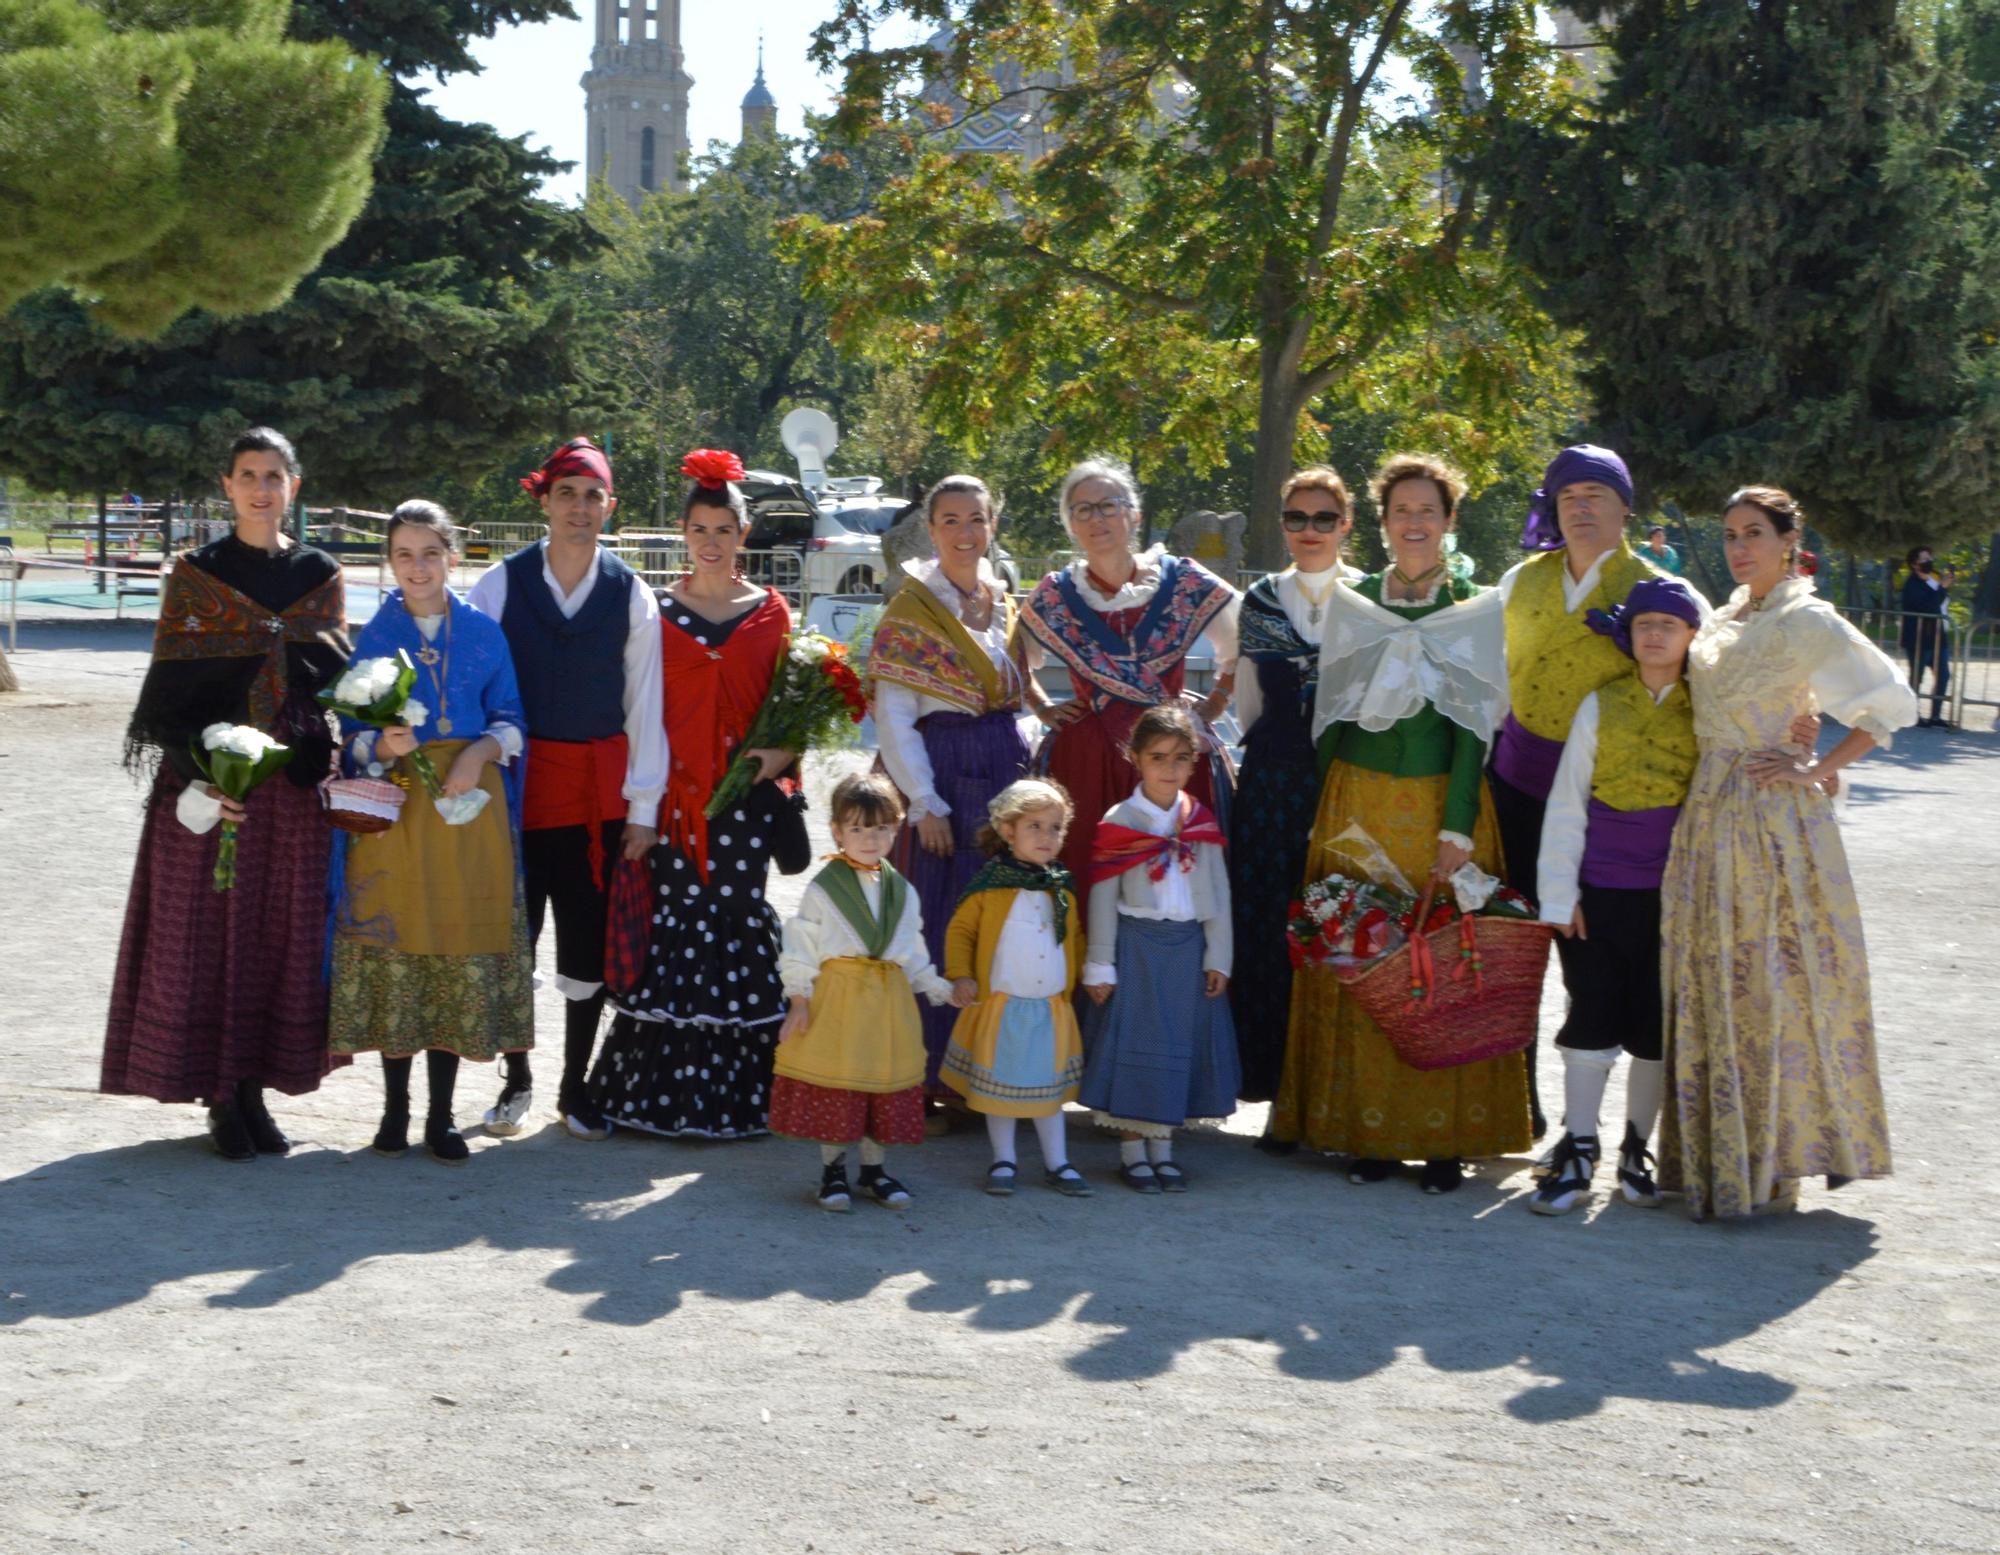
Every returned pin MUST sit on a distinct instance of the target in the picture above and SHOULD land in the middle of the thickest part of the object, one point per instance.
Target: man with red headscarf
(585, 635)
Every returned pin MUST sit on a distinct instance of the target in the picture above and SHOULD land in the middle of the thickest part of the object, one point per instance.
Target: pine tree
(126, 130)
(1781, 269)
(429, 344)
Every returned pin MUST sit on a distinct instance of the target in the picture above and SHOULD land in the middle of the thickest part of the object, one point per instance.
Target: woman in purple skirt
(947, 701)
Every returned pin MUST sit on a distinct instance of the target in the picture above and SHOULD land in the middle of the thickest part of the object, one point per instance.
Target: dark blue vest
(572, 672)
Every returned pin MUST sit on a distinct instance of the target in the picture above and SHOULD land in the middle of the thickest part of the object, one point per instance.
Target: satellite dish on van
(810, 436)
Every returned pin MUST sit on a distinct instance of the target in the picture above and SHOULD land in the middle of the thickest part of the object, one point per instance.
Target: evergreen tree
(429, 344)
(1780, 268)
(161, 155)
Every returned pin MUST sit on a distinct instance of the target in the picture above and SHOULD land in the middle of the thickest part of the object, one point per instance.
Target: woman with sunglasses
(1121, 623)
(1412, 685)
(1277, 788)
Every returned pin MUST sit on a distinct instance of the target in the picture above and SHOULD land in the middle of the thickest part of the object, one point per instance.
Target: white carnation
(243, 740)
(367, 682)
(415, 714)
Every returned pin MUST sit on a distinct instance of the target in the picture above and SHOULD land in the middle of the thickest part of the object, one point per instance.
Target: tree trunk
(1277, 425)
(7, 680)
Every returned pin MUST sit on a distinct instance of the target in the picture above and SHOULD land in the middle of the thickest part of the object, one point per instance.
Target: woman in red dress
(1122, 624)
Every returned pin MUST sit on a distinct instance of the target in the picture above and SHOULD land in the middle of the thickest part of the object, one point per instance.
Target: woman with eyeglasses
(1277, 788)
(1121, 623)
(1412, 685)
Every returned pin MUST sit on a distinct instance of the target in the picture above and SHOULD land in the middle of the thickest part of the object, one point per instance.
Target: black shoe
(1270, 1144)
(445, 1143)
(1635, 1171)
(393, 1137)
(1442, 1176)
(1368, 1169)
(1568, 1185)
(580, 1118)
(833, 1193)
(226, 1131)
(884, 1189)
(265, 1135)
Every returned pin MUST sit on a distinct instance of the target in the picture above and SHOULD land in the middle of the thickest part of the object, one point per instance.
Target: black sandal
(883, 1188)
(1170, 1177)
(1067, 1181)
(833, 1189)
(1000, 1179)
(1139, 1176)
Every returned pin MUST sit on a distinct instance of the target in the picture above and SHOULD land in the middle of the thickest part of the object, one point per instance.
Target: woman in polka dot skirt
(691, 1048)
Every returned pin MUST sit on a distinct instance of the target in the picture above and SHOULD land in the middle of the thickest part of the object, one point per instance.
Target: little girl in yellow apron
(850, 1067)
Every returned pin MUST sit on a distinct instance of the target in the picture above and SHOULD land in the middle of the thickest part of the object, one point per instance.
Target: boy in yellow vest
(1618, 787)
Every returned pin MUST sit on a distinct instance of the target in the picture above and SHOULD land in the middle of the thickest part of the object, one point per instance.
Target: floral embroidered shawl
(1114, 668)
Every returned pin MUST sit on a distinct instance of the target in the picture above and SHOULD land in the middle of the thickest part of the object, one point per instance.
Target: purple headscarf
(1584, 462)
(1649, 596)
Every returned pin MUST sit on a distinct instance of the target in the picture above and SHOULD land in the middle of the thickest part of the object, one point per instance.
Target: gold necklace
(1414, 584)
(439, 664)
(1319, 600)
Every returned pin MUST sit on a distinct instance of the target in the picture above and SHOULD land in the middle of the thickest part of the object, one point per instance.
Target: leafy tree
(429, 345)
(1237, 221)
(128, 127)
(1781, 268)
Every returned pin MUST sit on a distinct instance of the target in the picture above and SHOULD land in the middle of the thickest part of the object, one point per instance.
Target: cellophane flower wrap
(1354, 919)
(236, 758)
(814, 703)
(376, 692)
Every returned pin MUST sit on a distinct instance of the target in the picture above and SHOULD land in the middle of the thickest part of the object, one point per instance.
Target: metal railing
(661, 559)
(1966, 654)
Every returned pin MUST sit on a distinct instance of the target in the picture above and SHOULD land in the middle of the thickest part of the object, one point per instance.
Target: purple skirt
(213, 986)
(972, 759)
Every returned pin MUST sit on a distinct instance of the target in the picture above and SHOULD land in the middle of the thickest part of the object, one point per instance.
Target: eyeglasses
(1110, 507)
(1295, 521)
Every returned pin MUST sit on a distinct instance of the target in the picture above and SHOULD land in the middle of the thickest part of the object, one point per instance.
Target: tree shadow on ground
(1339, 1281)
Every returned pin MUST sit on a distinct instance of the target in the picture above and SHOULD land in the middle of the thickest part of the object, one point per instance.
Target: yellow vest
(1645, 749)
(1554, 659)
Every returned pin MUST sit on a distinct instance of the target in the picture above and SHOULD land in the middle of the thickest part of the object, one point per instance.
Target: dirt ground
(647, 1346)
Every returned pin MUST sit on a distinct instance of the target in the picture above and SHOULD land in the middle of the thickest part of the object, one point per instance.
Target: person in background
(1927, 631)
(1659, 553)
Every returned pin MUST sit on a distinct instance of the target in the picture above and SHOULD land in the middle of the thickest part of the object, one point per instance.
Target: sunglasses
(1326, 523)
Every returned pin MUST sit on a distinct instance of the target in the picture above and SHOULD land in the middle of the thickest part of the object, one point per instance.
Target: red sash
(576, 783)
(1115, 848)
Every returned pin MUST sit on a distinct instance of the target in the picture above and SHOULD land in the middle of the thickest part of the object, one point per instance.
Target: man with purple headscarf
(1619, 784)
(1576, 525)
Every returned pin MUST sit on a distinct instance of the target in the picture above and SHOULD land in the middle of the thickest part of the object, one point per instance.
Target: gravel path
(654, 1347)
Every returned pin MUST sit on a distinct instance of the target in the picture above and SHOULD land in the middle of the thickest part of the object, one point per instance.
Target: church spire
(760, 108)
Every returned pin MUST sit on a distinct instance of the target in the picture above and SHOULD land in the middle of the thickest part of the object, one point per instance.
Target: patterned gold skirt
(1771, 1072)
(1344, 1089)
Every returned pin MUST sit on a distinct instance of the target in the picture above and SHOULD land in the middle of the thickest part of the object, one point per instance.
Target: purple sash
(1526, 761)
(1626, 850)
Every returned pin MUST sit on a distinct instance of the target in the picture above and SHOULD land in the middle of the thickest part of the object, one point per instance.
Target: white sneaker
(504, 1118)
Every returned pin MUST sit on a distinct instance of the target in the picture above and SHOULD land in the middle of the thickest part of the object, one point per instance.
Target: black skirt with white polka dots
(690, 1051)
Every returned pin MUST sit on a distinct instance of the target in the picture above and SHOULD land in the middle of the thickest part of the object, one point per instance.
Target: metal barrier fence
(661, 559)
(1964, 656)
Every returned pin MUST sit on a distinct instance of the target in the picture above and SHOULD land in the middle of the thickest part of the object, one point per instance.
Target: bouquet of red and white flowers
(814, 703)
(376, 692)
(236, 758)
(1353, 922)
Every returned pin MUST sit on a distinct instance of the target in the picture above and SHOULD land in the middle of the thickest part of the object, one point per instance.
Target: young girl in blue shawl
(430, 943)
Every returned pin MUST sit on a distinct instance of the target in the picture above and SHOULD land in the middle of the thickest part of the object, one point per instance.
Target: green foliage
(1783, 270)
(157, 157)
(1235, 222)
(429, 347)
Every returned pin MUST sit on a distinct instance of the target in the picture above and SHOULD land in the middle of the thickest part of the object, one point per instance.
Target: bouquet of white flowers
(236, 758)
(377, 692)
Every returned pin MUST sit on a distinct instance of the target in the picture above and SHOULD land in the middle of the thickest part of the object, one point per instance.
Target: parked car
(839, 540)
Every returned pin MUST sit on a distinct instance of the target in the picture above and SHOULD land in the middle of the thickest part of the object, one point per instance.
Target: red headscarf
(579, 456)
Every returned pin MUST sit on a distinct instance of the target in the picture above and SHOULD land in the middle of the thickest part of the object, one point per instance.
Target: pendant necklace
(1316, 601)
(1416, 583)
(439, 664)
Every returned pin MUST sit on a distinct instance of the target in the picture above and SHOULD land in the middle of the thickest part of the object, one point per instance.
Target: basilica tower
(636, 98)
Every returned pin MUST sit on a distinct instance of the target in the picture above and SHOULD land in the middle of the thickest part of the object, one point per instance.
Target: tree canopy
(428, 345)
(1245, 214)
(1782, 269)
(164, 155)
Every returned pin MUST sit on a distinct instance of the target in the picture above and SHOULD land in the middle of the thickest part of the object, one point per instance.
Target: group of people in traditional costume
(1008, 925)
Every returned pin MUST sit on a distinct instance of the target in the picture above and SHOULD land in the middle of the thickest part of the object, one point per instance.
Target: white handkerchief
(461, 808)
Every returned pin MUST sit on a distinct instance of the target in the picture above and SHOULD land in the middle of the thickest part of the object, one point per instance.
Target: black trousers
(555, 870)
(1613, 975)
(1519, 817)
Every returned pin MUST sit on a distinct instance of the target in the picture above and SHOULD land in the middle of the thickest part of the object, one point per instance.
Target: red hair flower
(712, 466)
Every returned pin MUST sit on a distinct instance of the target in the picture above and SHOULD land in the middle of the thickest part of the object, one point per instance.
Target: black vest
(571, 672)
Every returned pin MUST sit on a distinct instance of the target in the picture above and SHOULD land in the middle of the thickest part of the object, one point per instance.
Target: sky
(528, 81)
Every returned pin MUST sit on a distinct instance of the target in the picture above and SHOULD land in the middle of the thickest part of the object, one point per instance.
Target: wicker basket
(363, 805)
(1460, 994)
